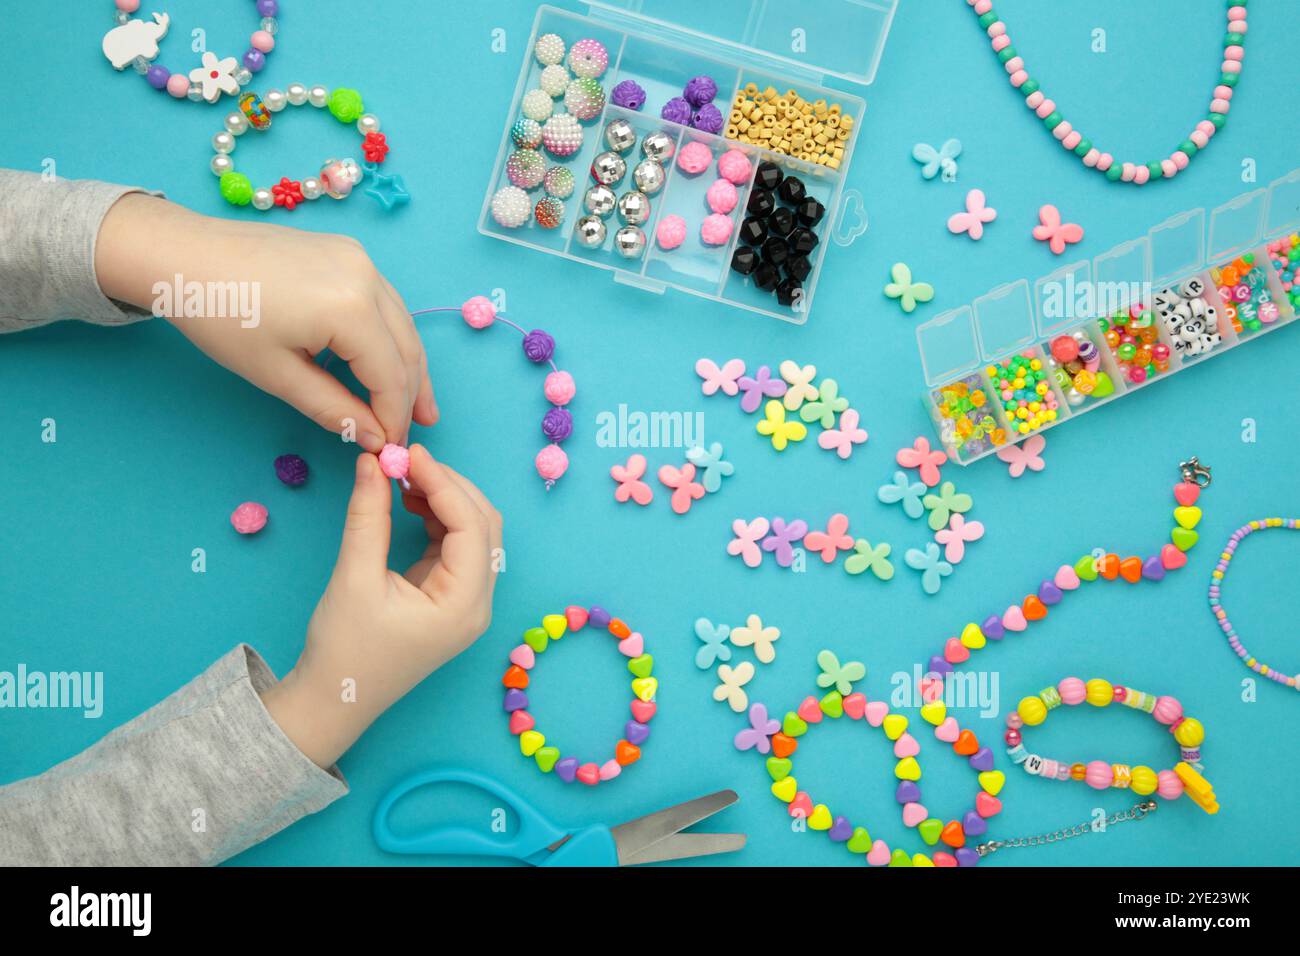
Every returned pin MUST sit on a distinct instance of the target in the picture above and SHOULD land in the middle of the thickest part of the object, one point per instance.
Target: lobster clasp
(1194, 472)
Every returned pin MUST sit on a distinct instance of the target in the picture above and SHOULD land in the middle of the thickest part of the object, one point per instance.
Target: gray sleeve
(194, 780)
(48, 229)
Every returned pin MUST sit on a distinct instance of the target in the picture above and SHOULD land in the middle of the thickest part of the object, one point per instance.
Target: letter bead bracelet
(134, 43)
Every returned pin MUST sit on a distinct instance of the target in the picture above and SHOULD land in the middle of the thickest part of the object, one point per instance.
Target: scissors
(649, 839)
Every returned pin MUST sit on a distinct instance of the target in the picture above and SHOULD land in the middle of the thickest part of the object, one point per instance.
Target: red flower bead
(287, 193)
(375, 147)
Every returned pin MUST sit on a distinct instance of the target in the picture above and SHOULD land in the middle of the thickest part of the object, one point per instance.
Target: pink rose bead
(263, 41)
(671, 232)
(478, 312)
(716, 229)
(551, 463)
(178, 85)
(722, 197)
(694, 158)
(734, 166)
(249, 518)
(395, 461)
(559, 388)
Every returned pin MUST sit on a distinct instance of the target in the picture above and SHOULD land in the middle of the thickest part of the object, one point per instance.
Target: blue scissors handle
(589, 846)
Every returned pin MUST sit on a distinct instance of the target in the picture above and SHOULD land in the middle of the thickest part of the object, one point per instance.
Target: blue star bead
(388, 191)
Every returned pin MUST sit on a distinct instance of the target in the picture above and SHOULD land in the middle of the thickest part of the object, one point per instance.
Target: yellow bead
(1032, 711)
(1144, 781)
(1190, 733)
(1098, 692)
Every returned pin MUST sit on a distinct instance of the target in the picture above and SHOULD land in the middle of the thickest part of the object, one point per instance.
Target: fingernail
(365, 463)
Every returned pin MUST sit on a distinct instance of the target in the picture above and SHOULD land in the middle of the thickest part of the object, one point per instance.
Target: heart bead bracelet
(1216, 584)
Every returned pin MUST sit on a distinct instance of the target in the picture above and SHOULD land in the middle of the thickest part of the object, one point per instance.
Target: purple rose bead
(677, 110)
(539, 346)
(700, 90)
(557, 424)
(267, 8)
(291, 469)
(708, 118)
(254, 60)
(158, 76)
(628, 95)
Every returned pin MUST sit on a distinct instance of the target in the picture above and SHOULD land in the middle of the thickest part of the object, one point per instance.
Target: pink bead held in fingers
(395, 461)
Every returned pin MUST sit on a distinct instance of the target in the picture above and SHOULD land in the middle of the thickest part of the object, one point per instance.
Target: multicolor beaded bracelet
(1216, 582)
(135, 43)
(1100, 775)
(532, 743)
(337, 176)
(1071, 139)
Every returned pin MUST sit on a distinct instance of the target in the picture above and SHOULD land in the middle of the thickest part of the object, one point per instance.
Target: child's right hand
(375, 633)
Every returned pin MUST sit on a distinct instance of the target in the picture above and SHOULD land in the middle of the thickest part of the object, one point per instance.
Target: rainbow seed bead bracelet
(1216, 584)
(1071, 139)
(1098, 774)
(532, 743)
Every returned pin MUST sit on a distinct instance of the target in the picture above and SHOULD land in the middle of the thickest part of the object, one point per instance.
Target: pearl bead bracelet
(134, 43)
(337, 177)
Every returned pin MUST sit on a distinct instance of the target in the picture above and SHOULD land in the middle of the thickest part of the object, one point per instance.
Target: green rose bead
(1114, 173)
(1053, 120)
(1156, 170)
(346, 105)
(1029, 87)
(236, 189)
(1188, 147)
(1084, 146)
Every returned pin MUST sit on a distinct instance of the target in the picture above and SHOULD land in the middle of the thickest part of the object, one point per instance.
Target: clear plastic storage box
(961, 347)
(808, 47)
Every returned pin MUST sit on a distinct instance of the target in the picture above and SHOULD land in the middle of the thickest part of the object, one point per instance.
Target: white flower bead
(221, 164)
(368, 124)
(318, 96)
(237, 123)
(311, 188)
(224, 142)
(262, 199)
(297, 94)
(275, 100)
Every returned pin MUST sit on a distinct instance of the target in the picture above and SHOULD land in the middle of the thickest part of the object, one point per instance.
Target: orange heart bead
(1035, 609)
(619, 629)
(966, 743)
(516, 677)
(953, 835)
(626, 753)
(1108, 567)
(1130, 569)
(783, 746)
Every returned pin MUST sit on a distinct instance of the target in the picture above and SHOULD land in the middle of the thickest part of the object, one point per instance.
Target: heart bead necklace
(1071, 139)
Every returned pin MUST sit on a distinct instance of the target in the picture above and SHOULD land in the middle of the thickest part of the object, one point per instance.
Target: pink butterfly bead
(920, 456)
(1055, 233)
(745, 544)
(842, 439)
(955, 537)
(833, 540)
(724, 379)
(629, 481)
(972, 220)
(686, 489)
(1024, 455)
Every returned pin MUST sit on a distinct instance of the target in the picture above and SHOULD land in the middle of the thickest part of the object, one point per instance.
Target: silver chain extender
(1135, 812)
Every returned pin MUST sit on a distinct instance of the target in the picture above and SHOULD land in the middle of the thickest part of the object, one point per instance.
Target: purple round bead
(158, 76)
(677, 110)
(708, 118)
(267, 8)
(557, 424)
(628, 95)
(254, 60)
(291, 469)
(700, 90)
(539, 346)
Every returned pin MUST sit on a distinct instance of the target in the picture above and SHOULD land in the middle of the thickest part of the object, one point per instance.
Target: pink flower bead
(395, 461)
(1072, 691)
(478, 312)
(716, 229)
(178, 85)
(722, 197)
(551, 463)
(263, 41)
(249, 518)
(1098, 775)
(694, 158)
(559, 388)
(734, 166)
(1167, 710)
(671, 232)
(1168, 785)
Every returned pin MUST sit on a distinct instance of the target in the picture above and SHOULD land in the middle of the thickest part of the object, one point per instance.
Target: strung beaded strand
(1070, 138)
(1216, 582)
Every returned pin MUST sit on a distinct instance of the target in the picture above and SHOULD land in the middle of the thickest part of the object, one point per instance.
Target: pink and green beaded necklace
(1070, 138)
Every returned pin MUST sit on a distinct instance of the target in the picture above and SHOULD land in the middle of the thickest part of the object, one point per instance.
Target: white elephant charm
(135, 38)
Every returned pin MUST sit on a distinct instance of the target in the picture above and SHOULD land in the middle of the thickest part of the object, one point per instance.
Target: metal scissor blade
(635, 836)
(681, 846)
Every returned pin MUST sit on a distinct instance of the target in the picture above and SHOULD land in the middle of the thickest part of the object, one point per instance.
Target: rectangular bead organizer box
(1180, 288)
(745, 47)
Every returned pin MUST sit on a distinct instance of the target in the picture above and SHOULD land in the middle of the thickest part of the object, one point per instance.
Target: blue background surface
(156, 443)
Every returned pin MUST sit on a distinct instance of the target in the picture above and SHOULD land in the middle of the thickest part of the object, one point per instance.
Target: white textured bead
(368, 124)
(262, 199)
(237, 123)
(224, 142)
(311, 188)
(221, 164)
(297, 94)
(318, 96)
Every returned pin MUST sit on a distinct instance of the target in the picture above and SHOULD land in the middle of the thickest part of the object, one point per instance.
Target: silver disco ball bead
(630, 242)
(657, 146)
(599, 200)
(649, 176)
(634, 208)
(608, 168)
(620, 136)
(589, 231)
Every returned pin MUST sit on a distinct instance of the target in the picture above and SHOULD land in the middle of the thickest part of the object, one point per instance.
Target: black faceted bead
(789, 290)
(753, 230)
(761, 202)
(768, 176)
(780, 222)
(775, 251)
(744, 260)
(791, 190)
(798, 267)
(803, 241)
(766, 276)
(810, 211)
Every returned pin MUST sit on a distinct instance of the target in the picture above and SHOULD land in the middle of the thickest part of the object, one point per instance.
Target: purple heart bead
(974, 824)
(635, 732)
(567, 769)
(1049, 593)
(907, 792)
(840, 830)
(598, 616)
(982, 759)
(516, 699)
(938, 666)
(967, 857)
(1153, 569)
(992, 628)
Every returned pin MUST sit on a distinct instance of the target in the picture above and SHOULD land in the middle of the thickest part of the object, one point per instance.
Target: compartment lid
(1122, 275)
(948, 345)
(1065, 298)
(1177, 247)
(1004, 318)
(1283, 205)
(1236, 225)
(813, 38)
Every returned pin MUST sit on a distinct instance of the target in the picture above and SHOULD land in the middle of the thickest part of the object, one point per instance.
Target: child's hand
(313, 291)
(375, 633)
